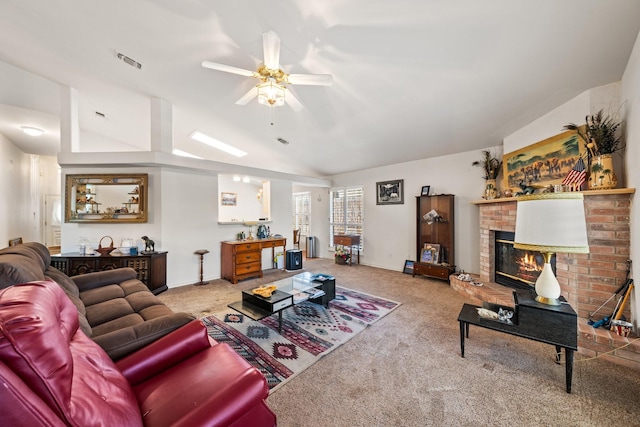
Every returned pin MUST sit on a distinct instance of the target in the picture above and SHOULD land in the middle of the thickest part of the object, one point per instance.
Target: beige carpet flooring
(406, 369)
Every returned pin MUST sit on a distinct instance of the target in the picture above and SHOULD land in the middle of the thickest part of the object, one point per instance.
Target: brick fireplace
(587, 280)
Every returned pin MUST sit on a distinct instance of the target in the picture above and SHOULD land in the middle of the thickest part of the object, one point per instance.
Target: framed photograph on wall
(430, 253)
(228, 199)
(390, 192)
(425, 190)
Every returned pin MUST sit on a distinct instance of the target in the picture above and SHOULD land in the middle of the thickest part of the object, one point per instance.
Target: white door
(52, 219)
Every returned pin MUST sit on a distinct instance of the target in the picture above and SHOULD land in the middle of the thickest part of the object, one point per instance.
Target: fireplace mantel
(584, 193)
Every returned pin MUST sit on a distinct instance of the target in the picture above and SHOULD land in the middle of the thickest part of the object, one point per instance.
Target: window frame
(297, 215)
(349, 227)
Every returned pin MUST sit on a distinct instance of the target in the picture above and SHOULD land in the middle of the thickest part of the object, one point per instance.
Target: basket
(106, 250)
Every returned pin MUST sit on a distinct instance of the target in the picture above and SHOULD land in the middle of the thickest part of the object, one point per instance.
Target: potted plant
(491, 168)
(602, 137)
(342, 256)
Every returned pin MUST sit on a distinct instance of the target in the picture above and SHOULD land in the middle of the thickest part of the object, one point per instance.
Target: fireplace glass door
(516, 268)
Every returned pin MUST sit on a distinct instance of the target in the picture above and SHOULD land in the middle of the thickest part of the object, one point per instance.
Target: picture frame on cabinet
(425, 190)
(408, 267)
(390, 192)
(430, 253)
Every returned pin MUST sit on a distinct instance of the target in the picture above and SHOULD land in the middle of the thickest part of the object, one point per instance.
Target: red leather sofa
(52, 374)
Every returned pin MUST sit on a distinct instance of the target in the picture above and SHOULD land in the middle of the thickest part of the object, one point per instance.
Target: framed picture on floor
(408, 267)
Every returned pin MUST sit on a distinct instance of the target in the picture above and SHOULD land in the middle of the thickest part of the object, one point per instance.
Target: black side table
(555, 325)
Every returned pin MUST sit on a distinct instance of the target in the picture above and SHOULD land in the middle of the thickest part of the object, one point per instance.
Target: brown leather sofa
(115, 309)
(52, 374)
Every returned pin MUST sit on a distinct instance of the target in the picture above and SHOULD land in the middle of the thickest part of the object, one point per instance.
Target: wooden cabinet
(151, 269)
(435, 233)
(242, 259)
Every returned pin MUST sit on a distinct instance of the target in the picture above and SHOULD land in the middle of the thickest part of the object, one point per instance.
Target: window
(347, 212)
(301, 212)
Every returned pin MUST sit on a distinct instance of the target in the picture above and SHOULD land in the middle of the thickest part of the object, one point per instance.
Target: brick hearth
(587, 280)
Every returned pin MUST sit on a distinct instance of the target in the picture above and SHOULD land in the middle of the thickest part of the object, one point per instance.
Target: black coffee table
(317, 288)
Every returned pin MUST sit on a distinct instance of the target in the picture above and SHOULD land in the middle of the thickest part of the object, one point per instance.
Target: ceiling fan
(272, 90)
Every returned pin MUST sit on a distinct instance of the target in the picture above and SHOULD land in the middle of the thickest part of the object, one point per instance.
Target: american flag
(576, 176)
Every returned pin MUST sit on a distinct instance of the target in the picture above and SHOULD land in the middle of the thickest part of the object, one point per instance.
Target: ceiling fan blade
(292, 101)
(248, 96)
(227, 68)
(271, 46)
(310, 79)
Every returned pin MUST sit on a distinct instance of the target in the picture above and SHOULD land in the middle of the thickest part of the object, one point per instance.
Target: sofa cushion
(107, 311)
(19, 267)
(123, 340)
(40, 342)
(102, 294)
(72, 292)
(41, 250)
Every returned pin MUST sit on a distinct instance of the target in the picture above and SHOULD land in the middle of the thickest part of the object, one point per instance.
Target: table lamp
(550, 223)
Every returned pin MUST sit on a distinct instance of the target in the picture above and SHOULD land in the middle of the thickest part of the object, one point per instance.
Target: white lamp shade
(552, 222)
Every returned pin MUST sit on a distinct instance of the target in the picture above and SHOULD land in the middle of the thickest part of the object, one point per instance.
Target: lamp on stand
(550, 223)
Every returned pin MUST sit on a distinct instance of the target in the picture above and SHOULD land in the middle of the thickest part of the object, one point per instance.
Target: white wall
(248, 206)
(390, 230)
(630, 96)
(72, 232)
(24, 180)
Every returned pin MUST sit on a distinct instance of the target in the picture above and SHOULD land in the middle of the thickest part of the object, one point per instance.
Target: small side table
(202, 253)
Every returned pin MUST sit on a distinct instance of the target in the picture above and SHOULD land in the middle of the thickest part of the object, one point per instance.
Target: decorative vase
(601, 173)
(340, 260)
(490, 189)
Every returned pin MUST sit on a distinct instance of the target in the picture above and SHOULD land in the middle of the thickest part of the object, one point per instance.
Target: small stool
(201, 252)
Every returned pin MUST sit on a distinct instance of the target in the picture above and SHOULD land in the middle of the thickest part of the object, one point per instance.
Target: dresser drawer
(346, 240)
(247, 247)
(432, 270)
(248, 268)
(247, 257)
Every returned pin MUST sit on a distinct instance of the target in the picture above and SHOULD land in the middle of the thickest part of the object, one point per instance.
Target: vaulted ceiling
(411, 79)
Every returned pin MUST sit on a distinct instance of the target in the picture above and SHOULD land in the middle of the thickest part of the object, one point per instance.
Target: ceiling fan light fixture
(271, 94)
(30, 130)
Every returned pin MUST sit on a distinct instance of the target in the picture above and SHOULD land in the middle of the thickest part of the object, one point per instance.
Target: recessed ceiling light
(29, 130)
(236, 178)
(206, 139)
(246, 179)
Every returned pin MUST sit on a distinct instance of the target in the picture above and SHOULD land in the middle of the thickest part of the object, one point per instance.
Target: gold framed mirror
(116, 198)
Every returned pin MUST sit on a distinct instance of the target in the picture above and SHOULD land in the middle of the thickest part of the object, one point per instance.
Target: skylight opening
(212, 142)
(185, 154)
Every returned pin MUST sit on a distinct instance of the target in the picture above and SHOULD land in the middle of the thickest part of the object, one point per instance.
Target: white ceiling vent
(127, 60)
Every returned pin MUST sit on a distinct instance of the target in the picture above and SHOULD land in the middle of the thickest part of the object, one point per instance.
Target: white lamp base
(547, 286)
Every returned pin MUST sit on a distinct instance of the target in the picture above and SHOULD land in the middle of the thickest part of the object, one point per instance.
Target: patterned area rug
(309, 331)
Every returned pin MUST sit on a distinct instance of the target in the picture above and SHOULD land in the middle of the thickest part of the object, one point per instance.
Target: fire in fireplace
(516, 268)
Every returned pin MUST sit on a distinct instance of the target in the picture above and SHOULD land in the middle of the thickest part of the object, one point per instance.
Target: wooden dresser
(151, 269)
(242, 259)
